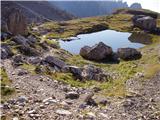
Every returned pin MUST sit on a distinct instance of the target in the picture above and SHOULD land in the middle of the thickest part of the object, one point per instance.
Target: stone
(72, 95)
(93, 73)
(15, 118)
(76, 71)
(18, 60)
(88, 72)
(144, 22)
(91, 114)
(22, 72)
(103, 102)
(129, 54)
(97, 53)
(34, 60)
(22, 99)
(32, 39)
(63, 112)
(5, 51)
(53, 61)
(19, 39)
(89, 100)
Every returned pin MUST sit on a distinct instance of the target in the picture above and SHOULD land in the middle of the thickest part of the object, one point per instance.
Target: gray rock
(32, 39)
(22, 72)
(72, 95)
(98, 52)
(63, 112)
(34, 60)
(5, 51)
(53, 61)
(93, 73)
(22, 99)
(129, 54)
(87, 72)
(144, 22)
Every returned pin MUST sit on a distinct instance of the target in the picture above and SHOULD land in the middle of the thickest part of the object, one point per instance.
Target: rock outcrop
(16, 22)
(98, 52)
(144, 22)
(26, 46)
(129, 54)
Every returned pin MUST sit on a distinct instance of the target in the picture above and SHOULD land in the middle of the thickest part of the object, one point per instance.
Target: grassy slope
(119, 22)
(6, 90)
(148, 64)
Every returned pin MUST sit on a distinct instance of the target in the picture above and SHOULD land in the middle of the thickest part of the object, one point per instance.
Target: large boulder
(98, 52)
(5, 51)
(53, 61)
(129, 54)
(144, 22)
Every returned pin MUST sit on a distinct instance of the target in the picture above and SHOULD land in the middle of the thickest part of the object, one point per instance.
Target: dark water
(109, 37)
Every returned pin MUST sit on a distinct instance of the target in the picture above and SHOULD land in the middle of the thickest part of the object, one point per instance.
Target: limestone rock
(98, 52)
(53, 61)
(129, 54)
(144, 22)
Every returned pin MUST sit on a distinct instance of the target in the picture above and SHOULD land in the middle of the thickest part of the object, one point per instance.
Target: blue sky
(147, 4)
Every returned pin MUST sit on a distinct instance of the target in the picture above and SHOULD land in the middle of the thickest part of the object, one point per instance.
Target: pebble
(15, 118)
(63, 112)
(22, 99)
(72, 95)
(103, 115)
(91, 115)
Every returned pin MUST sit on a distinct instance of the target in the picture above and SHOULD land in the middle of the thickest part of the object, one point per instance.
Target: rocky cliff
(35, 11)
(90, 8)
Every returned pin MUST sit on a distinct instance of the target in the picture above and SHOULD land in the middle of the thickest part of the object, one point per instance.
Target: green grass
(119, 22)
(148, 64)
(29, 67)
(6, 90)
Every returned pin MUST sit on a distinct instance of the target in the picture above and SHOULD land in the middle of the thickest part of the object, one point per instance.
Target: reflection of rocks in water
(140, 37)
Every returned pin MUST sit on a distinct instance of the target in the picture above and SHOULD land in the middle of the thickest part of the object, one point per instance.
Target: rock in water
(17, 23)
(98, 52)
(144, 22)
(129, 54)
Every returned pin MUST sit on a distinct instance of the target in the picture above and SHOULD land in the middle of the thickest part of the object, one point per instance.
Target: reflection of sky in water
(109, 37)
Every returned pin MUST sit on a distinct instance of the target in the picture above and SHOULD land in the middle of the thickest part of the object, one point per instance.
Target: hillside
(42, 81)
(35, 11)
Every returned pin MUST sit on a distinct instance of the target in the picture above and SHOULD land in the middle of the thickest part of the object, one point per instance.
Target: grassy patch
(29, 67)
(119, 22)
(6, 90)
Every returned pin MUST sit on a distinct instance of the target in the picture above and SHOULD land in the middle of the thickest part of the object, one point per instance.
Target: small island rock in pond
(128, 54)
(98, 52)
